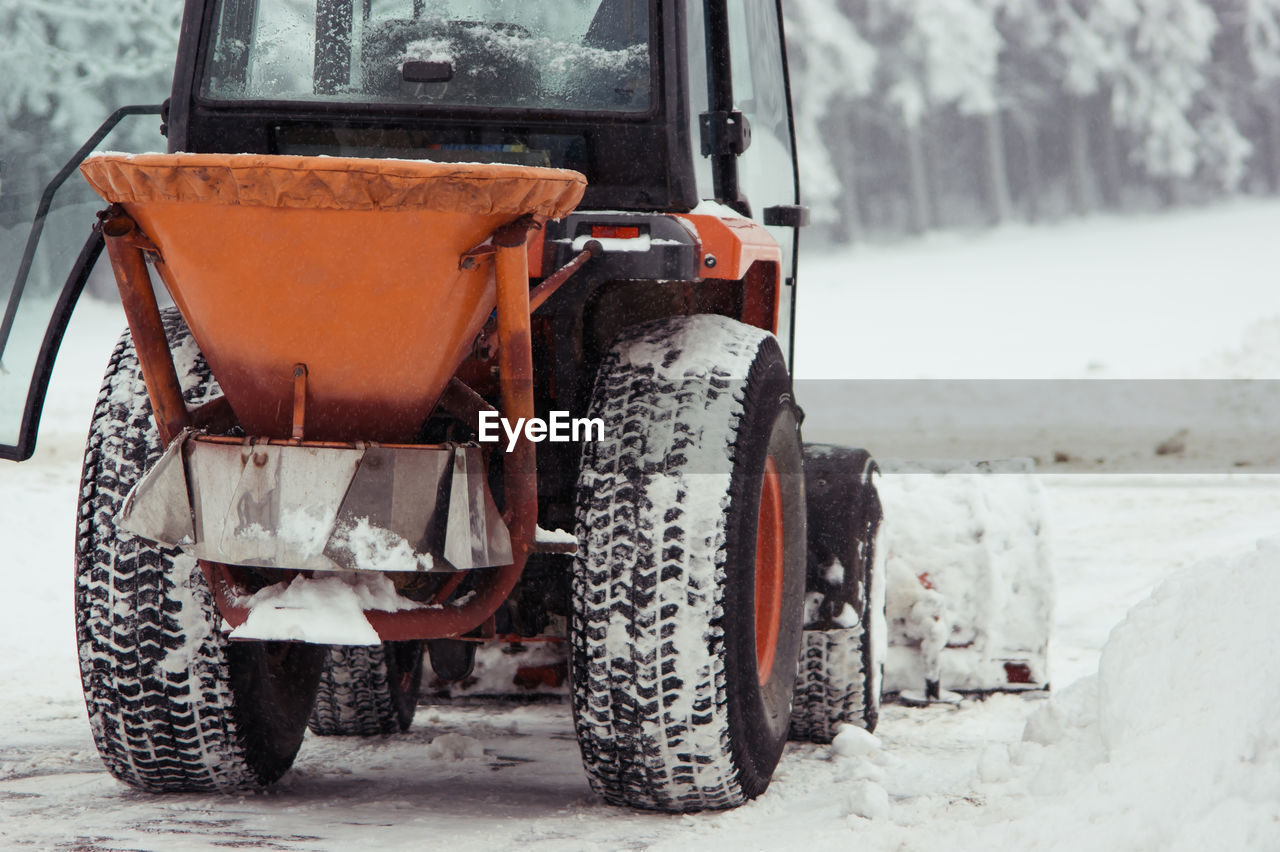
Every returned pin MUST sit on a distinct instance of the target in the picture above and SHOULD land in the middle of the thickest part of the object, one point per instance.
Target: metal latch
(724, 133)
(787, 215)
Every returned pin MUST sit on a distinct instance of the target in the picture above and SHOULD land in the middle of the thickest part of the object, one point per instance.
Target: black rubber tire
(669, 709)
(368, 691)
(842, 654)
(172, 704)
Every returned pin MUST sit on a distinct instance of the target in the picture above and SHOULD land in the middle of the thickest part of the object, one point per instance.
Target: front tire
(689, 579)
(842, 654)
(367, 692)
(172, 704)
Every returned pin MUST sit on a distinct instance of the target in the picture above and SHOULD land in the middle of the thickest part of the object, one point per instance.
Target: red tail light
(615, 232)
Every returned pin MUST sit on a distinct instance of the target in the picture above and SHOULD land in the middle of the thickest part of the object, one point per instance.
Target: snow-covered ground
(1165, 739)
(1088, 340)
(1187, 294)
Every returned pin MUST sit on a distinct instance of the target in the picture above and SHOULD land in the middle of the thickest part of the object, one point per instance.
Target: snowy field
(1162, 736)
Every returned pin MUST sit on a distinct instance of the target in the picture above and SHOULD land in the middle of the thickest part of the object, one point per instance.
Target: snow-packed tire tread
(832, 685)
(838, 677)
(155, 675)
(651, 735)
(355, 697)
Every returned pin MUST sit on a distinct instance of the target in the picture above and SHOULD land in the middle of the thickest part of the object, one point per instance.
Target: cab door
(761, 178)
(48, 247)
(767, 169)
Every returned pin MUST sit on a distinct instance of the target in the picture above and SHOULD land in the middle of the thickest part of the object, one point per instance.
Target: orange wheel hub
(769, 569)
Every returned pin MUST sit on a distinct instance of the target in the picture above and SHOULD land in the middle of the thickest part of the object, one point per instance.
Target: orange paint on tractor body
(743, 251)
(736, 244)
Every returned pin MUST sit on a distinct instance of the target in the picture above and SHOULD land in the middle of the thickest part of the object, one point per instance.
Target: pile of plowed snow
(1175, 743)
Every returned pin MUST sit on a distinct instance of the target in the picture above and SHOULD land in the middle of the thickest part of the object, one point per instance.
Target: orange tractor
(481, 333)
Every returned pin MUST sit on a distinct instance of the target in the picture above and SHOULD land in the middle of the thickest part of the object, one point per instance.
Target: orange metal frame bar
(520, 473)
(548, 287)
(127, 247)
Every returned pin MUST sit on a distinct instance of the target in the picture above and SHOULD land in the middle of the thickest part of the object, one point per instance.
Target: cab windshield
(516, 54)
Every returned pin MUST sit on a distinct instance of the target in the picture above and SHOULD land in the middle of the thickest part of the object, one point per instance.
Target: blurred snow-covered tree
(831, 66)
(1059, 60)
(1160, 94)
(1245, 77)
(67, 64)
(937, 57)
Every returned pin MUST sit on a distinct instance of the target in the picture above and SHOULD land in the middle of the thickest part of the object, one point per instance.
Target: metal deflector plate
(321, 508)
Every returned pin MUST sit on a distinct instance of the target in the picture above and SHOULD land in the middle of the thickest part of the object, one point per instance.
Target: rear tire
(842, 656)
(172, 704)
(366, 692)
(681, 683)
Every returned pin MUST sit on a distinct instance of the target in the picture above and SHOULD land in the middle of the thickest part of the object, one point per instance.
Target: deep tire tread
(839, 674)
(650, 700)
(832, 685)
(154, 667)
(356, 696)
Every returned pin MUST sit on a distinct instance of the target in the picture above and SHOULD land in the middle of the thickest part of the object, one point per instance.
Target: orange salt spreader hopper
(334, 300)
(351, 267)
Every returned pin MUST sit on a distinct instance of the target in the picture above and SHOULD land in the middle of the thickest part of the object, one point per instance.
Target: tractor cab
(577, 85)
(647, 98)
(664, 105)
